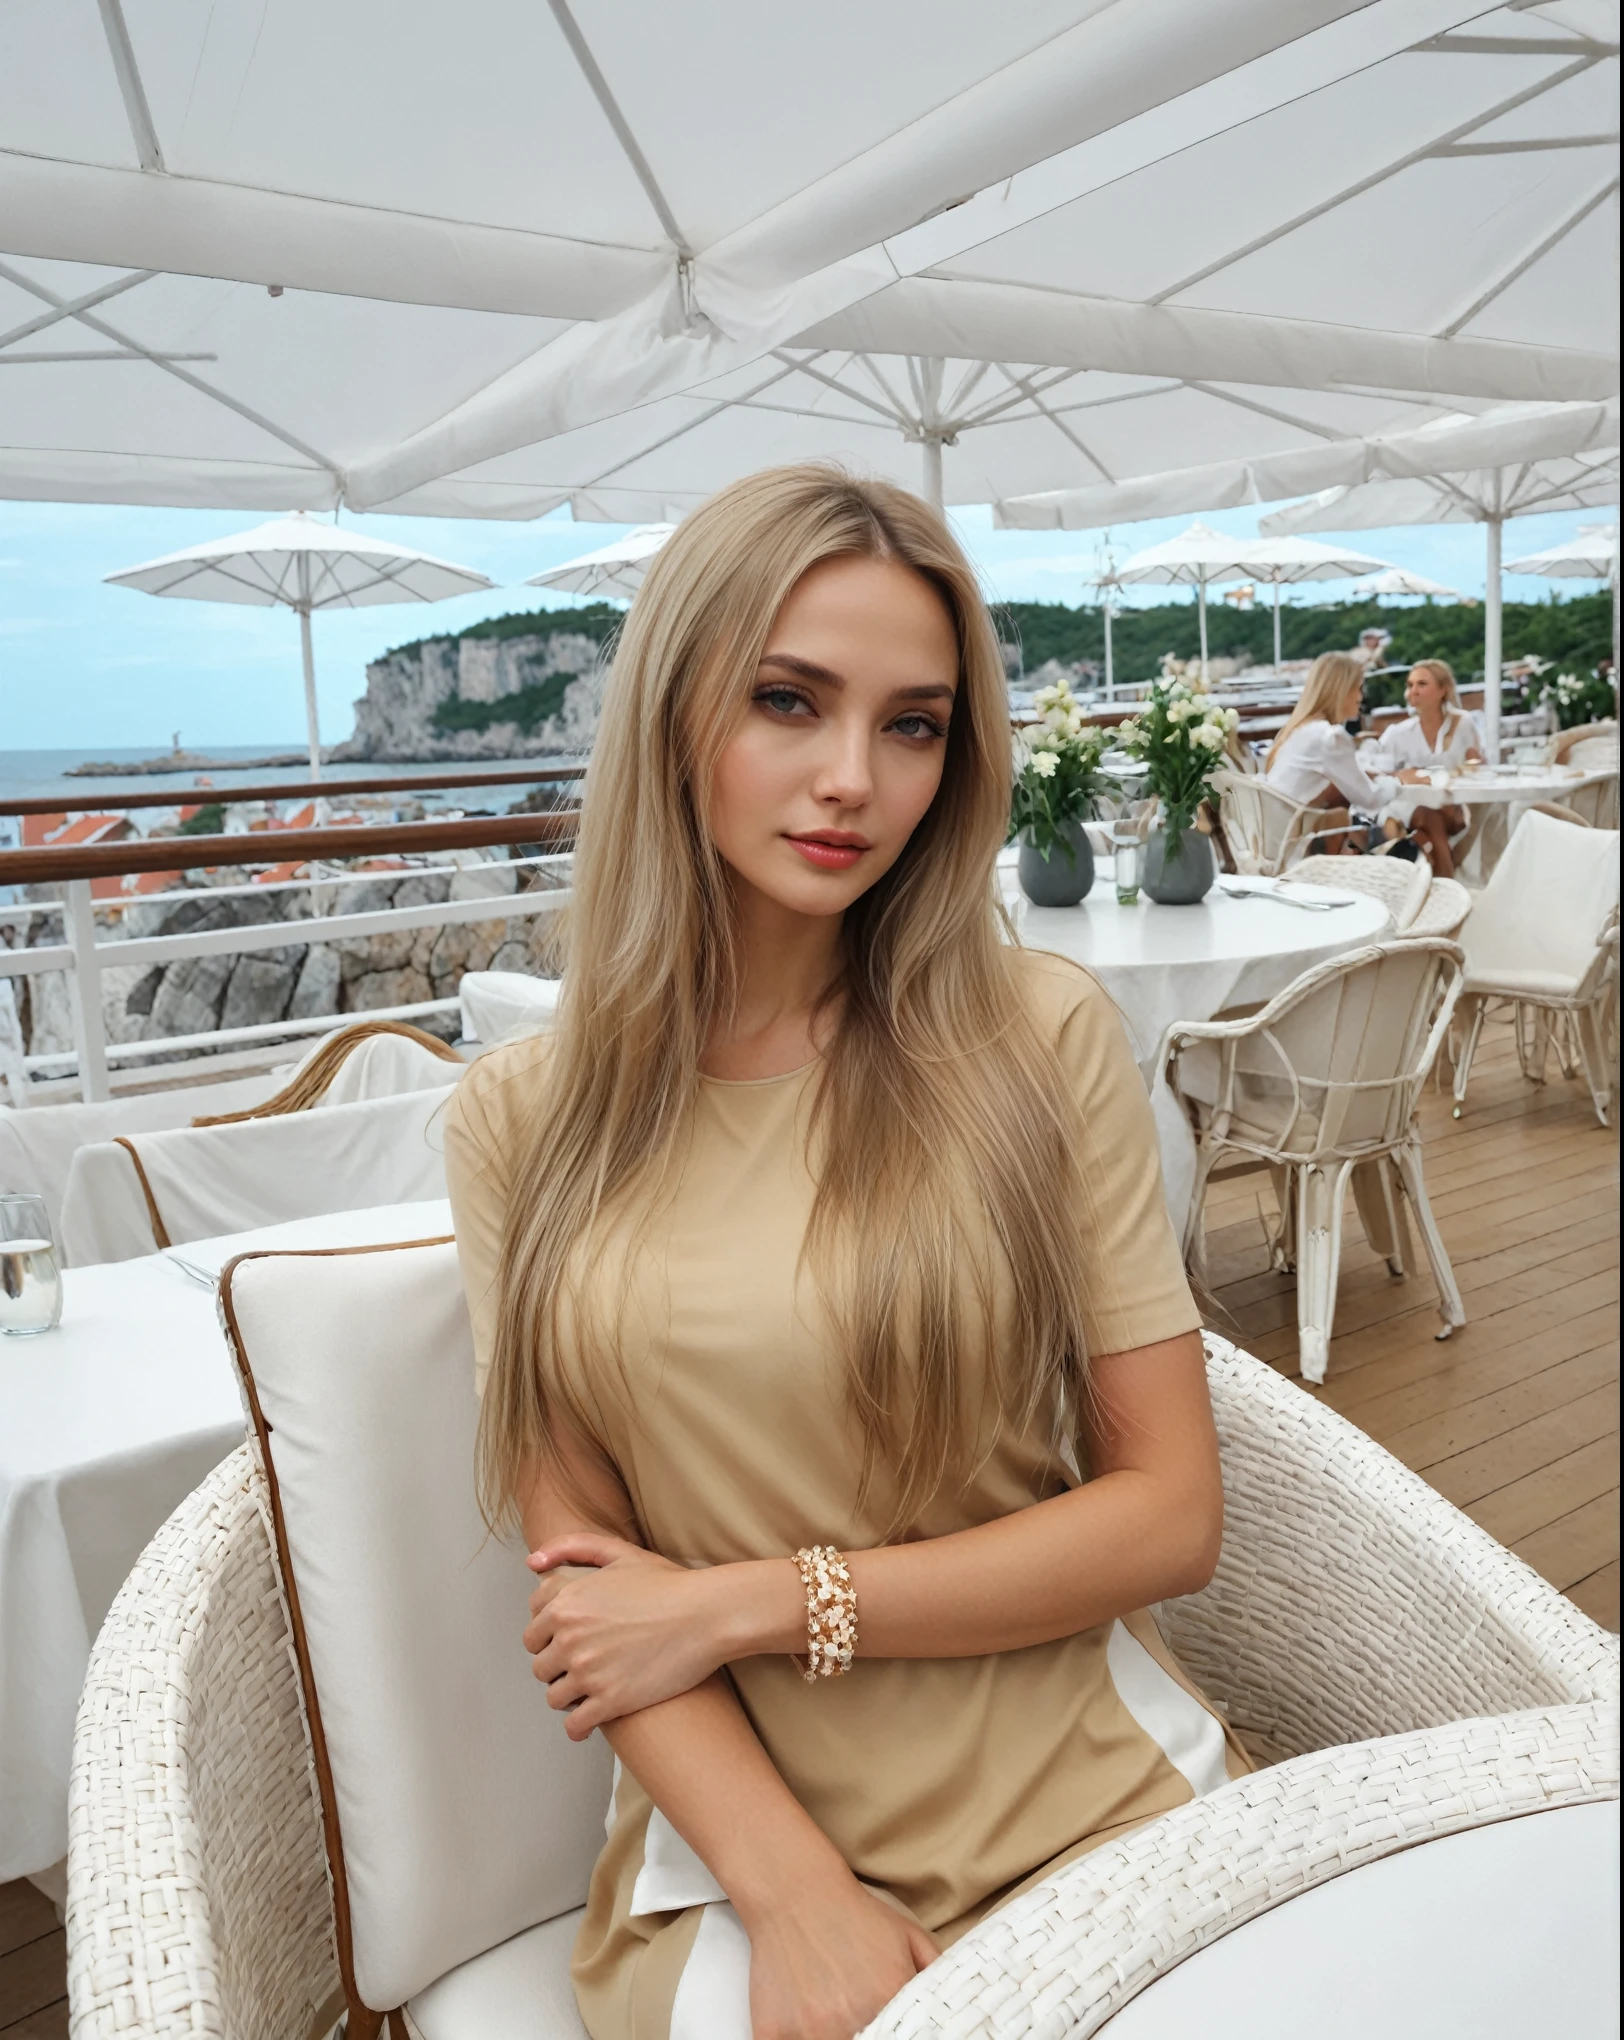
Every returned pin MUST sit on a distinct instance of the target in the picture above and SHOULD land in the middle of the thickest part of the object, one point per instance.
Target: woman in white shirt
(1314, 761)
(1438, 735)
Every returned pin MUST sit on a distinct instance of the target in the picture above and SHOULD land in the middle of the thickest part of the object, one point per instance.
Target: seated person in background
(1314, 760)
(1438, 735)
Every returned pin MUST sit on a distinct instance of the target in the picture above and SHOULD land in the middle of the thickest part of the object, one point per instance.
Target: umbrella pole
(932, 448)
(1110, 670)
(1201, 604)
(1277, 626)
(312, 721)
(1492, 633)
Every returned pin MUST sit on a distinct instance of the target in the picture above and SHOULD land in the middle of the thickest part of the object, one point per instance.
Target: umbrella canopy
(1279, 560)
(1521, 480)
(1197, 559)
(613, 570)
(1591, 555)
(618, 269)
(1400, 581)
(304, 565)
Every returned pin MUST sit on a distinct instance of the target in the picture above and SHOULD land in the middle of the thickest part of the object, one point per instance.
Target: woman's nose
(844, 774)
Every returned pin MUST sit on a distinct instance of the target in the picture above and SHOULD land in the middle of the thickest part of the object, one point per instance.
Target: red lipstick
(830, 849)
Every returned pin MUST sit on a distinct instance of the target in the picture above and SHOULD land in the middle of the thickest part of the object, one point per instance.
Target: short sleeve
(482, 1122)
(1135, 1290)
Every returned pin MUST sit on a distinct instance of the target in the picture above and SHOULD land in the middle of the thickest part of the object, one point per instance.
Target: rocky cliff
(485, 695)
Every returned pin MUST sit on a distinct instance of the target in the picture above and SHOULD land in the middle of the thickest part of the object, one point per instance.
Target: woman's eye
(918, 726)
(783, 700)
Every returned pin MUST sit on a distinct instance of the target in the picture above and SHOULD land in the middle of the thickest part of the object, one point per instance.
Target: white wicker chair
(1419, 1679)
(1590, 745)
(1544, 936)
(1266, 831)
(1419, 903)
(1322, 1081)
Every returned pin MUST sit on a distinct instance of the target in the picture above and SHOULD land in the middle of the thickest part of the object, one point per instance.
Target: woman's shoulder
(1059, 995)
(497, 1090)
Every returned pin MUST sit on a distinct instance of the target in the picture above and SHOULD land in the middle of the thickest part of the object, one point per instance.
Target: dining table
(1246, 941)
(107, 1423)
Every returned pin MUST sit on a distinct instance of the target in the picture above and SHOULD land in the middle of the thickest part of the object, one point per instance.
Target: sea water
(30, 1286)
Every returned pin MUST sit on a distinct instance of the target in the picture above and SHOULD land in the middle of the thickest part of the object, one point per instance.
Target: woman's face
(840, 749)
(1423, 689)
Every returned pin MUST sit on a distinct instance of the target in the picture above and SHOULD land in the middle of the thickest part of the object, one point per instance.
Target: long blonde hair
(1444, 674)
(1329, 680)
(936, 1085)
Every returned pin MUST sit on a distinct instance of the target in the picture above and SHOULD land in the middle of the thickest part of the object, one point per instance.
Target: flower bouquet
(1182, 735)
(1057, 779)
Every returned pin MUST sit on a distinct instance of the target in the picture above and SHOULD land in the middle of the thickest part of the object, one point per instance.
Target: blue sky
(83, 665)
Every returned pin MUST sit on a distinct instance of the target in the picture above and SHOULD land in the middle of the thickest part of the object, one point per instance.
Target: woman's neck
(787, 962)
(1432, 721)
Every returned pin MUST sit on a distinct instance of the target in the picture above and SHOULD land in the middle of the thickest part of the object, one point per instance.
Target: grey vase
(1059, 881)
(1181, 876)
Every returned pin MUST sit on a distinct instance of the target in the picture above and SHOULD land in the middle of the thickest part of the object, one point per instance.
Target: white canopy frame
(876, 252)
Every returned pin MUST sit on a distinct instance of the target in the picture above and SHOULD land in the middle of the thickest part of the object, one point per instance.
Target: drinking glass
(1127, 857)
(30, 1281)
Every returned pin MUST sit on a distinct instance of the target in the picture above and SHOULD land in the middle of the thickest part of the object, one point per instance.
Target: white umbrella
(1278, 560)
(1400, 581)
(1198, 558)
(1591, 555)
(1515, 480)
(304, 565)
(614, 570)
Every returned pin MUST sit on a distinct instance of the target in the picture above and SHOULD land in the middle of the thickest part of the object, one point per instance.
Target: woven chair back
(1333, 1067)
(1261, 825)
(1401, 886)
(457, 1812)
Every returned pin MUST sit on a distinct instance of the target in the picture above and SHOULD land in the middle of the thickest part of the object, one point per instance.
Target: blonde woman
(809, 1259)
(1314, 760)
(1437, 734)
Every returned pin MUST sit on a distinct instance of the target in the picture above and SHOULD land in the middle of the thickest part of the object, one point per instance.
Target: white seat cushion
(519, 1991)
(1509, 981)
(505, 1005)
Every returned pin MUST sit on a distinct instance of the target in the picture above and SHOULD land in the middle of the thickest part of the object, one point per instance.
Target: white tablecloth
(1504, 1932)
(106, 1425)
(1161, 964)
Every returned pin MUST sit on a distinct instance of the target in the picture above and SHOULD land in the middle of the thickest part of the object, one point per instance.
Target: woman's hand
(632, 1630)
(1411, 776)
(1473, 755)
(823, 1965)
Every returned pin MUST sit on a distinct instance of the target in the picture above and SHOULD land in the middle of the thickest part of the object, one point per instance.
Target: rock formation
(444, 699)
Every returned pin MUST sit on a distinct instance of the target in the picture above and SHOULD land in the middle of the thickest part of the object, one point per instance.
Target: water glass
(1128, 858)
(30, 1281)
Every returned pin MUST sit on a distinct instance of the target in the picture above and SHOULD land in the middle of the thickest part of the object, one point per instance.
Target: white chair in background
(329, 1594)
(138, 1193)
(1419, 903)
(1264, 830)
(1322, 1081)
(1594, 799)
(1544, 936)
(367, 1059)
(506, 1005)
(1591, 745)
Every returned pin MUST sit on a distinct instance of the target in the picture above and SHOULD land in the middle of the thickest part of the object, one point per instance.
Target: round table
(1161, 964)
(1502, 786)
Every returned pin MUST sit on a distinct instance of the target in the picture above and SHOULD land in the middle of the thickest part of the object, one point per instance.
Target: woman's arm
(1147, 1526)
(825, 1954)
(1339, 761)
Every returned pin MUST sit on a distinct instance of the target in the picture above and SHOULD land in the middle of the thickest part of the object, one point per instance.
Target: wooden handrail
(298, 789)
(283, 846)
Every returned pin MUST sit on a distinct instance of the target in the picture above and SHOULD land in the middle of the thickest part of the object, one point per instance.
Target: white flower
(1232, 719)
(1074, 722)
(1058, 720)
(1177, 711)
(1044, 763)
(1046, 698)
(1209, 736)
(1042, 740)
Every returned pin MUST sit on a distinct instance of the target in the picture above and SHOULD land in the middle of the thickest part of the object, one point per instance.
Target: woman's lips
(827, 855)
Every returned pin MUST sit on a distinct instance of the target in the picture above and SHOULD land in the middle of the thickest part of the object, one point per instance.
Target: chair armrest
(1351, 1600)
(1064, 1957)
(198, 1901)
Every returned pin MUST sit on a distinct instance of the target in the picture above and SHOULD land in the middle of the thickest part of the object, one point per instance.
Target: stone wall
(297, 979)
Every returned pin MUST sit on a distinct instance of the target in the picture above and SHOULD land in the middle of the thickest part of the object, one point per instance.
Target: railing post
(89, 1036)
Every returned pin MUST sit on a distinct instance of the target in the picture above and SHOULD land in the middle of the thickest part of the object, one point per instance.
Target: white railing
(83, 957)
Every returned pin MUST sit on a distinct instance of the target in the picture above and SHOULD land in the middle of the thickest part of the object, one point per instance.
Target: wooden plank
(25, 1914)
(49, 2024)
(1487, 1417)
(1598, 1596)
(33, 1976)
(1551, 1493)
(1542, 1441)
(1575, 1545)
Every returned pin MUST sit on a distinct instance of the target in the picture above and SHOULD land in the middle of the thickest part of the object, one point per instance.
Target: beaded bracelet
(831, 1613)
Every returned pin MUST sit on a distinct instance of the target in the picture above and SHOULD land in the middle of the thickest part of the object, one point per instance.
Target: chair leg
(1533, 1031)
(1589, 1026)
(1283, 1243)
(1450, 1307)
(1468, 1049)
(1320, 1192)
(1195, 1223)
(1381, 1209)
(1569, 1048)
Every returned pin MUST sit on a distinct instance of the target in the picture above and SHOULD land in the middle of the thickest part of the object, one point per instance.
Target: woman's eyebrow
(808, 669)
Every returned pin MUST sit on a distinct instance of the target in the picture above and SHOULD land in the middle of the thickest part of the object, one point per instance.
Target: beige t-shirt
(944, 1780)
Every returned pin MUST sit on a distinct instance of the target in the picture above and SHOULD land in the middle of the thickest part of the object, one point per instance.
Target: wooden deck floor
(1515, 1418)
